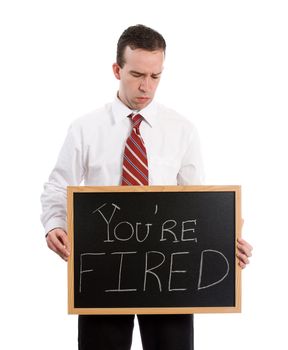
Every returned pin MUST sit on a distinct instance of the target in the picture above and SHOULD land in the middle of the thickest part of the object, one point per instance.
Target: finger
(245, 247)
(59, 246)
(243, 258)
(243, 242)
(62, 236)
(51, 245)
(62, 242)
(55, 249)
(241, 264)
(244, 250)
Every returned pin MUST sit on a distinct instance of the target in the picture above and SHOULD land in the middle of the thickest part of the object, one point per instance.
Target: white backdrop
(226, 69)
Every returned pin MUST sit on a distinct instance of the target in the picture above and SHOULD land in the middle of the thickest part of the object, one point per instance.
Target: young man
(163, 149)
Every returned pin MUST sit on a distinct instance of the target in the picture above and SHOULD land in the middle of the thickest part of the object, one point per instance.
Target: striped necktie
(135, 164)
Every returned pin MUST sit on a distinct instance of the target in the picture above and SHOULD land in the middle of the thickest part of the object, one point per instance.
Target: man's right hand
(57, 241)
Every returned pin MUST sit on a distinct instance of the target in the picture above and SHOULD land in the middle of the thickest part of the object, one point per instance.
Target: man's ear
(116, 70)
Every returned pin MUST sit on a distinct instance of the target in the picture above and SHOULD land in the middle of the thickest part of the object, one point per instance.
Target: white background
(226, 69)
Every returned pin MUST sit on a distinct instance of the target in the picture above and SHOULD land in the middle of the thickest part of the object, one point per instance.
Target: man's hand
(57, 241)
(244, 252)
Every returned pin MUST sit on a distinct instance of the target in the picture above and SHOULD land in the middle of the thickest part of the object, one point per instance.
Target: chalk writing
(81, 266)
(119, 289)
(159, 269)
(205, 252)
(105, 219)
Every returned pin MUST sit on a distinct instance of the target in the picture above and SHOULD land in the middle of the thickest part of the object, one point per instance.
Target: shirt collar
(120, 111)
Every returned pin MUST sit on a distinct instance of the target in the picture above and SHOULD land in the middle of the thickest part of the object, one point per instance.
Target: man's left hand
(244, 252)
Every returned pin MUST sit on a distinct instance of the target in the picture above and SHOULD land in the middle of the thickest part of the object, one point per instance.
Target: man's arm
(192, 173)
(68, 171)
(192, 169)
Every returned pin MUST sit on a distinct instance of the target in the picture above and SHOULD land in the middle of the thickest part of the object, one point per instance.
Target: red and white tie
(135, 164)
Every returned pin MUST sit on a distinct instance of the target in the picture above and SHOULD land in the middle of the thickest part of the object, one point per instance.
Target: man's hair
(139, 37)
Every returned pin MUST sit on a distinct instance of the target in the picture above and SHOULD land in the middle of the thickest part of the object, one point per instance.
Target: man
(162, 149)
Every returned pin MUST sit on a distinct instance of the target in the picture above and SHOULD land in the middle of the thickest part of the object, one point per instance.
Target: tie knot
(136, 121)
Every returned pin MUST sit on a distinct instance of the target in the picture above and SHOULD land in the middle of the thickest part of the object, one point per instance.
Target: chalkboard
(151, 249)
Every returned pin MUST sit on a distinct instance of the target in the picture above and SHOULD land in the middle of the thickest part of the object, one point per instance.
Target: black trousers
(158, 332)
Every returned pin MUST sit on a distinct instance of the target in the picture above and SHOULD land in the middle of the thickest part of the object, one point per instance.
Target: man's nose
(145, 84)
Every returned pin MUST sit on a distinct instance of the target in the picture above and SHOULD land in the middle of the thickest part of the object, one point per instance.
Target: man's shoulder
(93, 118)
(170, 115)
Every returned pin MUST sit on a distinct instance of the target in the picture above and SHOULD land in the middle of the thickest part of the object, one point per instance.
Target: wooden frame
(151, 310)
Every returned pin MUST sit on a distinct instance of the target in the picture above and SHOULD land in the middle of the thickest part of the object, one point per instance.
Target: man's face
(139, 77)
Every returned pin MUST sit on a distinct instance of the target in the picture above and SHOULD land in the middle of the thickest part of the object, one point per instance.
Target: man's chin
(142, 102)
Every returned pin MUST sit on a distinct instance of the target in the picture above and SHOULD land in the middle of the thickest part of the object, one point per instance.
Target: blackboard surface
(153, 251)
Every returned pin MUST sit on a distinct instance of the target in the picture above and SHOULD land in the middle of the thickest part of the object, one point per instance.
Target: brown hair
(139, 37)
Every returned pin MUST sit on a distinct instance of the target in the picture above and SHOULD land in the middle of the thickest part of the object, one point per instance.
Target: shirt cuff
(55, 223)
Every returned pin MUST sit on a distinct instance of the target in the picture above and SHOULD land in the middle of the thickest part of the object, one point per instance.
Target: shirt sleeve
(192, 170)
(68, 171)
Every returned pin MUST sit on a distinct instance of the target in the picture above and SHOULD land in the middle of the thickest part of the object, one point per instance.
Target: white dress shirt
(94, 147)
